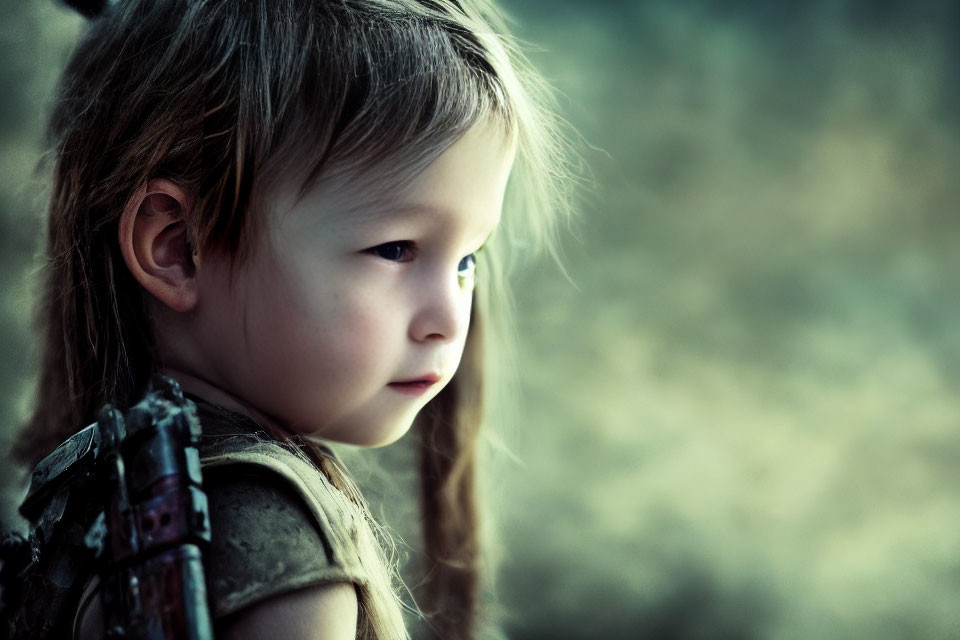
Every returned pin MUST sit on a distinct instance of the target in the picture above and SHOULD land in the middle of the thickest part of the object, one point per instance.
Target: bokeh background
(740, 419)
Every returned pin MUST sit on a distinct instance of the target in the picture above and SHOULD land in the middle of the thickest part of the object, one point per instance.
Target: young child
(299, 210)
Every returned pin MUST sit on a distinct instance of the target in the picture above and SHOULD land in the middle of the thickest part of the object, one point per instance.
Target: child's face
(320, 329)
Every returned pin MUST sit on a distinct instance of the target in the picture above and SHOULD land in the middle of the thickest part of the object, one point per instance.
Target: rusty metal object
(121, 498)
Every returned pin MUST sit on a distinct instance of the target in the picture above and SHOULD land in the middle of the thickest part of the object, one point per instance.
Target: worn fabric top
(276, 522)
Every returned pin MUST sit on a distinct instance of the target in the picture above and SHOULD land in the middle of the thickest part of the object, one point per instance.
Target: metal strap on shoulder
(70, 458)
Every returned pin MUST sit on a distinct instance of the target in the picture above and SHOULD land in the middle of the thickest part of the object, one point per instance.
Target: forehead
(466, 181)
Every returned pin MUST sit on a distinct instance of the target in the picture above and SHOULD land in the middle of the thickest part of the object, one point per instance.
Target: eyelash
(408, 249)
(382, 250)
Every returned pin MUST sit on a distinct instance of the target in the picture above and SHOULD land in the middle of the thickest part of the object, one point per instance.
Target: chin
(387, 436)
(371, 438)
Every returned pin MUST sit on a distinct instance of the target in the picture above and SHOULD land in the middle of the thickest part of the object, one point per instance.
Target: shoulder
(323, 612)
(277, 524)
(265, 541)
(287, 543)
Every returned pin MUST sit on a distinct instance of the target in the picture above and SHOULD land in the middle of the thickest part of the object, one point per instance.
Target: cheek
(365, 327)
(332, 325)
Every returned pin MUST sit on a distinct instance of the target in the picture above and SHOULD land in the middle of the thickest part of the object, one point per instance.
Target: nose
(442, 309)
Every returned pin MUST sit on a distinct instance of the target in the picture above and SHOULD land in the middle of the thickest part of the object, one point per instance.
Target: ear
(153, 240)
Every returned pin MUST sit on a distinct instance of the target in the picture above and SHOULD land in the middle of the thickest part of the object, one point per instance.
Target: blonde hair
(228, 98)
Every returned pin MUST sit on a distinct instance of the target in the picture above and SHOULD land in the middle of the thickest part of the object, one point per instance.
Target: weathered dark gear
(143, 536)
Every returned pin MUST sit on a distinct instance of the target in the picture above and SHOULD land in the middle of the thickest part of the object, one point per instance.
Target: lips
(428, 379)
(415, 386)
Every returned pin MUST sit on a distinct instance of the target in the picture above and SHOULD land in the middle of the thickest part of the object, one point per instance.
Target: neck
(215, 395)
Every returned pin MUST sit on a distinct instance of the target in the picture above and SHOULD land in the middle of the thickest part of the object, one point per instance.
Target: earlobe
(155, 245)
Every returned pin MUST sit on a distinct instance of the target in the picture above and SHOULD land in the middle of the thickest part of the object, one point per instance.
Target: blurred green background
(742, 420)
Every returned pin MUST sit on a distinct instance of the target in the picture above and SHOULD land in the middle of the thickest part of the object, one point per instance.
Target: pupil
(392, 251)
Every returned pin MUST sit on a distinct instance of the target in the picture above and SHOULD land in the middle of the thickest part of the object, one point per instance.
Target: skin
(344, 299)
(327, 611)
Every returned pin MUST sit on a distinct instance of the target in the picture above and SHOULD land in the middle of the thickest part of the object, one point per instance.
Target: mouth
(415, 386)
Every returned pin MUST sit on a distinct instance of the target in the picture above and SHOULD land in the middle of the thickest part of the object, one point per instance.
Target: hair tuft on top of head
(88, 8)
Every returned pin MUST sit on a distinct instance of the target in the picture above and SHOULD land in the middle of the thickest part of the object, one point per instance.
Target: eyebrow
(385, 209)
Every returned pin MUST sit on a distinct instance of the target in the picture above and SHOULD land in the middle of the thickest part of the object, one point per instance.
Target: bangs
(410, 89)
(376, 98)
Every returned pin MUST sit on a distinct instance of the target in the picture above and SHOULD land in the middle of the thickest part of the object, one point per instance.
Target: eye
(399, 251)
(467, 268)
